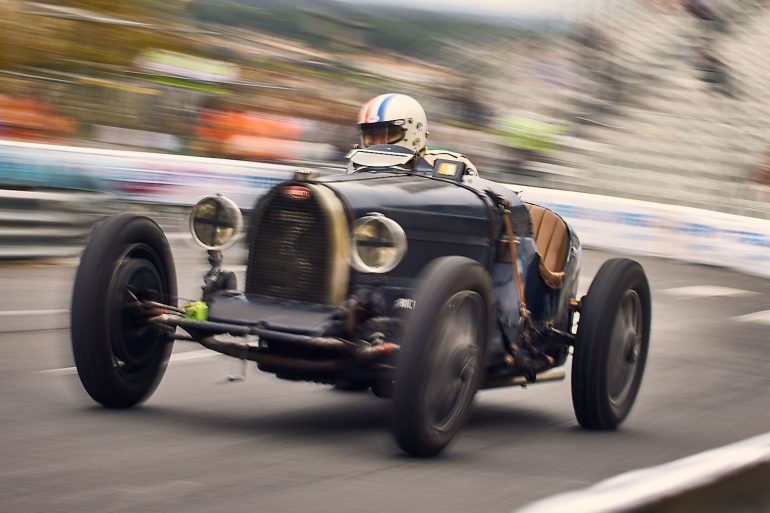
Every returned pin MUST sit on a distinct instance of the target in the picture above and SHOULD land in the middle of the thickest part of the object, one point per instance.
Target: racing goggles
(382, 133)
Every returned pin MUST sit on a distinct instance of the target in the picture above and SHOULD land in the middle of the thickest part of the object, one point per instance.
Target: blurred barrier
(734, 478)
(139, 176)
(618, 224)
(682, 233)
(36, 224)
(47, 209)
(51, 196)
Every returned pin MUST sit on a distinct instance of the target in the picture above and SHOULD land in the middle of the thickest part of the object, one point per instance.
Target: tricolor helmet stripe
(376, 106)
(383, 104)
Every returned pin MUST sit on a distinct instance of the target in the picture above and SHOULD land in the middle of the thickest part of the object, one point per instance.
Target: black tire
(383, 388)
(120, 358)
(611, 345)
(351, 386)
(437, 375)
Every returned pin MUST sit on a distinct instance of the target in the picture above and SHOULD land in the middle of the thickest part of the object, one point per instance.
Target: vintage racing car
(423, 282)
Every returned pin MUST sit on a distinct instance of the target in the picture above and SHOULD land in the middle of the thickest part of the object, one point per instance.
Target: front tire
(611, 345)
(119, 356)
(441, 361)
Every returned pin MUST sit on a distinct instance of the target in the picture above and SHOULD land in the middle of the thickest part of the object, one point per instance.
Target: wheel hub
(134, 342)
(626, 351)
(634, 349)
(456, 369)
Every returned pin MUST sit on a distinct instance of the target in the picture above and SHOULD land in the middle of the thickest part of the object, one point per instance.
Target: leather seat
(552, 240)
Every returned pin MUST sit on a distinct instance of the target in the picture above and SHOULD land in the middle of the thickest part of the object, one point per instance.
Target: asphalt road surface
(202, 444)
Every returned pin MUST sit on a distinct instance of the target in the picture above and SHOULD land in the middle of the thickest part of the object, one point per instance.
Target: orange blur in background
(27, 119)
(249, 135)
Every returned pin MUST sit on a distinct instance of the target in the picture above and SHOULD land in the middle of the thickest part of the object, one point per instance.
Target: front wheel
(442, 352)
(119, 356)
(611, 345)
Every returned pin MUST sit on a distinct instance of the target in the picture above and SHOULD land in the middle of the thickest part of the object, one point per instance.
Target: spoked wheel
(442, 355)
(623, 360)
(456, 364)
(611, 345)
(119, 356)
(133, 342)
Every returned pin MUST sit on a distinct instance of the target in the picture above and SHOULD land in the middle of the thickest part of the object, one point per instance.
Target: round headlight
(215, 222)
(379, 244)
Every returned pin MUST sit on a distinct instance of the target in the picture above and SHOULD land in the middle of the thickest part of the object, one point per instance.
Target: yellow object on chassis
(429, 352)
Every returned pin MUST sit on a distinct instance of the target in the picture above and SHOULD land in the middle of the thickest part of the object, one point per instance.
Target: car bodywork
(418, 280)
(300, 288)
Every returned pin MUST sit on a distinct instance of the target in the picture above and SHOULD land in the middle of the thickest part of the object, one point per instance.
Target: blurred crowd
(516, 98)
(249, 93)
(24, 118)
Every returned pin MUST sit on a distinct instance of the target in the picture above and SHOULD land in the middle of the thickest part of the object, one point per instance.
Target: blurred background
(663, 100)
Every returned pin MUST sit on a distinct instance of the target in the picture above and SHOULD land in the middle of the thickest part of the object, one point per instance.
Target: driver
(399, 120)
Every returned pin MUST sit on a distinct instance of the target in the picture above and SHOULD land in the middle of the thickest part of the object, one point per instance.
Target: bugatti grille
(289, 256)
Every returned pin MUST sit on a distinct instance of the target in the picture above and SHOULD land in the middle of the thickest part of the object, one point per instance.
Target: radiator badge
(404, 303)
(296, 192)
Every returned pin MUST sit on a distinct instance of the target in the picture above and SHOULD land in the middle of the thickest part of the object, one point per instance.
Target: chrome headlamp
(215, 222)
(379, 244)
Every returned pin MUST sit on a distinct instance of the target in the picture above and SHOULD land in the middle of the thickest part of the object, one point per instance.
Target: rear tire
(441, 361)
(611, 345)
(351, 386)
(383, 388)
(119, 356)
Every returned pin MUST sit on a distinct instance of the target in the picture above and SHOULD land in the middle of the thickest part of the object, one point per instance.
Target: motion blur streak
(664, 100)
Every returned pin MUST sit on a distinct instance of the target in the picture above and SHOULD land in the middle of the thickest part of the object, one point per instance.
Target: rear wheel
(442, 355)
(119, 356)
(351, 386)
(383, 388)
(611, 345)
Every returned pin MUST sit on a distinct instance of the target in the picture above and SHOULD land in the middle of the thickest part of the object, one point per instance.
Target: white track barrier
(40, 224)
(624, 225)
(734, 478)
(640, 227)
(50, 196)
(138, 176)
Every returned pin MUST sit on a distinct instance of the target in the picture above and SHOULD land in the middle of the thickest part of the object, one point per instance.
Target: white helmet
(395, 119)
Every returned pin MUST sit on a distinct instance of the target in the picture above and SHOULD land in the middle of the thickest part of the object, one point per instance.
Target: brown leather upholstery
(552, 239)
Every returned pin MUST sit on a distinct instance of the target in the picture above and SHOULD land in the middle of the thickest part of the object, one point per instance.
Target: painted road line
(193, 355)
(762, 317)
(179, 236)
(20, 313)
(176, 357)
(708, 291)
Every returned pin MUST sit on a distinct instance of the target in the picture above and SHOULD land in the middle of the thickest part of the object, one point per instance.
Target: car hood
(440, 217)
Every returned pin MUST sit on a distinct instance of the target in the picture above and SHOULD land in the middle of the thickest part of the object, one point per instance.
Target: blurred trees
(75, 33)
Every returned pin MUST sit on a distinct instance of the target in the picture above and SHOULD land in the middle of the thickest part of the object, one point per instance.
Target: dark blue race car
(422, 282)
